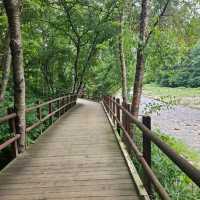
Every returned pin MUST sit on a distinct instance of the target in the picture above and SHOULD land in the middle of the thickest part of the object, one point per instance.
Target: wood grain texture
(77, 158)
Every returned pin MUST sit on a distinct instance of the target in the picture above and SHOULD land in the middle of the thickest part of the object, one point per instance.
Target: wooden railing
(62, 104)
(123, 119)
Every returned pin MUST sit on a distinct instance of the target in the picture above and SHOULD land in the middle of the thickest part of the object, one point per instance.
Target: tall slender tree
(140, 63)
(144, 37)
(122, 56)
(13, 13)
(5, 63)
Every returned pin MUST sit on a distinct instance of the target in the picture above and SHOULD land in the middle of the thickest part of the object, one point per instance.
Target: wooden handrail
(7, 117)
(64, 106)
(182, 163)
(46, 103)
(159, 188)
(10, 141)
(47, 117)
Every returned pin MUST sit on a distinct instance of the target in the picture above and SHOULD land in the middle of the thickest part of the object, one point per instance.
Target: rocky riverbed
(181, 122)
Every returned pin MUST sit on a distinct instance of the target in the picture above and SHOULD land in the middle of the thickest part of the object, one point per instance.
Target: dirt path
(180, 122)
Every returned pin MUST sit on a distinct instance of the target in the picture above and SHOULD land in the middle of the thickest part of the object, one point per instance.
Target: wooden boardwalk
(77, 158)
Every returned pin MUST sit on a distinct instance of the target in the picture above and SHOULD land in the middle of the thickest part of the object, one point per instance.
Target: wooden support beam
(146, 120)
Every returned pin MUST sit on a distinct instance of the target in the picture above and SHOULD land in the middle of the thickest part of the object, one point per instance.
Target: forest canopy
(69, 45)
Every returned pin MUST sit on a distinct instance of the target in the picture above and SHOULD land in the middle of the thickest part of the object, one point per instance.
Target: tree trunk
(122, 60)
(13, 13)
(140, 64)
(6, 62)
(76, 66)
(87, 65)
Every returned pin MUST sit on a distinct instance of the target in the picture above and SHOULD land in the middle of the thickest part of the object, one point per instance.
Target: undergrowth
(6, 155)
(175, 182)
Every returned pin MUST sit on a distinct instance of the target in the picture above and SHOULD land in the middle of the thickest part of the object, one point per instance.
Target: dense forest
(97, 47)
(71, 45)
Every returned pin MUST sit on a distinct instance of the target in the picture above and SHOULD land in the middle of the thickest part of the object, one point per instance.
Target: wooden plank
(77, 158)
(141, 189)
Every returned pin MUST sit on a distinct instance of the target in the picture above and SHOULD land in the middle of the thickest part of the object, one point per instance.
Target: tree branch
(156, 22)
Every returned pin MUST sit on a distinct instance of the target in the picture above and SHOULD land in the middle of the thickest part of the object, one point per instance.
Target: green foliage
(179, 95)
(174, 69)
(176, 183)
(54, 31)
(160, 104)
(173, 50)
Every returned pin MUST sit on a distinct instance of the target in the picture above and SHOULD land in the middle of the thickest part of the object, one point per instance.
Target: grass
(184, 96)
(182, 149)
(179, 186)
(175, 182)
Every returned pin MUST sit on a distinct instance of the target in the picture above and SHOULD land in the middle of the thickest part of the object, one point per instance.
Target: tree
(13, 13)
(122, 56)
(6, 62)
(144, 37)
(139, 74)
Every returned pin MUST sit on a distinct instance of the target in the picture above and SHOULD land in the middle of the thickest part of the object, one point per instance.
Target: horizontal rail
(113, 108)
(7, 117)
(47, 117)
(13, 115)
(46, 103)
(181, 162)
(159, 188)
(10, 141)
(71, 100)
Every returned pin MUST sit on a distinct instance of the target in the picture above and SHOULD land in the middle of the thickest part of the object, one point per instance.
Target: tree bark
(140, 63)
(76, 65)
(122, 60)
(6, 62)
(13, 13)
(87, 64)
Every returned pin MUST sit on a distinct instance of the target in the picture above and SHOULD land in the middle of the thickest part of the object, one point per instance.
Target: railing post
(62, 104)
(50, 111)
(12, 126)
(106, 102)
(118, 114)
(39, 113)
(67, 107)
(109, 105)
(146, 120)
(59, 105)
(75, 99)
(65, 103)
(128, 125)
(113, 105)
(128, 121)
(124, 121)
(70, 101)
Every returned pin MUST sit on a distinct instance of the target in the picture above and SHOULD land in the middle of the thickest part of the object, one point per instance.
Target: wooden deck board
(77, 158)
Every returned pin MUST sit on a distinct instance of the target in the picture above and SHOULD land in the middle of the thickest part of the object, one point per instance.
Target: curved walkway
(77, 158)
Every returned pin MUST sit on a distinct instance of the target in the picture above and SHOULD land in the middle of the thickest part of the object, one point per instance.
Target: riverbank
(178, 121)
(189, 97)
